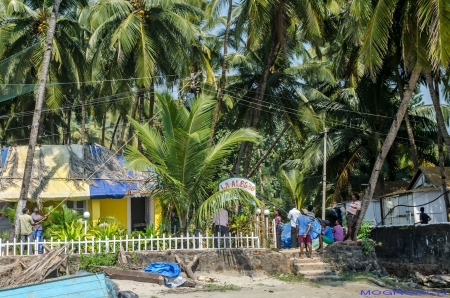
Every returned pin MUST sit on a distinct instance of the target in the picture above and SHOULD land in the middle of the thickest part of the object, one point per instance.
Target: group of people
(302, 223)
(31, 226)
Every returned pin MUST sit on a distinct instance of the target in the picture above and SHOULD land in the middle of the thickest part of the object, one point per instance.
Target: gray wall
(423, 248)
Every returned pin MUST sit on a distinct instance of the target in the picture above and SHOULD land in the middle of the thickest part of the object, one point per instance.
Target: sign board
(237, 182)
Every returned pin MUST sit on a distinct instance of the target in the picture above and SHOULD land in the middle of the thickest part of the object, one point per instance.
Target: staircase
(314, 269)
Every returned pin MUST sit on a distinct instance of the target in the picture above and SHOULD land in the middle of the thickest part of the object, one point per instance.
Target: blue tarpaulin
(3, 155)
(170, 270)
(286, 236)
(105, 189)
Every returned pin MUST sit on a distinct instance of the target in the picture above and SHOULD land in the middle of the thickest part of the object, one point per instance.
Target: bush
(92, 261)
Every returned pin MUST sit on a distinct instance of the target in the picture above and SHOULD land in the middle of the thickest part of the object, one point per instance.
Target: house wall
(109, 207)
(400, 216)
(373, 213)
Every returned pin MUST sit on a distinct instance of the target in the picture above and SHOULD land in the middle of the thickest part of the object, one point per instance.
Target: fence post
(107, 244)
(170, 242)
(93, 245)
(114, 244)
(164, 242)
(79, 245)
(145, 243)
(71, 244)
(36, 246)
(1, 248)
(187, 238)
(151, 242)
(200, 241)
(85, 245)
(126, 242)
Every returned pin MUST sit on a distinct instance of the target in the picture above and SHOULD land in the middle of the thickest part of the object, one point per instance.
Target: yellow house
(87, 178)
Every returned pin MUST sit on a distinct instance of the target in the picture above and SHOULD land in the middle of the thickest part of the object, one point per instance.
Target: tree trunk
(69, 119)
(114, 132)
(438, 111)
(434, 93)
(409, 129)
(223, 79)
(120, 142)
(152, 104)
(390, 138)
(141, 117)
(83, 112)
(259, 95)
(286, 127)
(103, 128)
(26, 181)
(52, 128)
(41, 125)
(133, 114)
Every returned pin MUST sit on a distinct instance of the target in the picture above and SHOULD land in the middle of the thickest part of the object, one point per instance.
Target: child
(338, 231)
(326, 235)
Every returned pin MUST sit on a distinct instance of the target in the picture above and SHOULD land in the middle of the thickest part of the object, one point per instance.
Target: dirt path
(258, 286)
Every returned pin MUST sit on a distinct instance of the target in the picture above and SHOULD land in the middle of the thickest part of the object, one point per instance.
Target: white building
(403, 206)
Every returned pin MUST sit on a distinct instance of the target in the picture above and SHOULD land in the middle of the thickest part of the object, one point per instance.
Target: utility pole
(324, 182)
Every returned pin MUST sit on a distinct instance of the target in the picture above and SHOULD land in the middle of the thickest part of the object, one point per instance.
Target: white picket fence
(87, 246)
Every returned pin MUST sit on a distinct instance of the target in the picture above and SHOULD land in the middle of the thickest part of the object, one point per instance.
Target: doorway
(138, 220)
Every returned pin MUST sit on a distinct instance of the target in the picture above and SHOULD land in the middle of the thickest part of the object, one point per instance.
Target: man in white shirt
(353, 212)
(293, 215)
(221, 223)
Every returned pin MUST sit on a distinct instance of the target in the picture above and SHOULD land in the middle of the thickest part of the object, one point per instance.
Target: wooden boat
(141, 276)
(82, 285)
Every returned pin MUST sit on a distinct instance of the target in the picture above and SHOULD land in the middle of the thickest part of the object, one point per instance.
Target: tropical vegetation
(196, 91)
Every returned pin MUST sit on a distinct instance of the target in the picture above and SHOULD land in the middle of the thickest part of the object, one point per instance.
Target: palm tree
(415, 19)
(181, 157)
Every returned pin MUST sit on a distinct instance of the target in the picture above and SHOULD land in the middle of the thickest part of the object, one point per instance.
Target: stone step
(313, 273)
(312, 266)
(319, 278)
(297, 260)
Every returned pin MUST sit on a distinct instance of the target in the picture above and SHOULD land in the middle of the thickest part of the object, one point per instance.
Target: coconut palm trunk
(387, 146)
(437, 108)
(409, 129)
(259, 95)
(223, 79)
(433, 87)
(26, 181)
(114, 132)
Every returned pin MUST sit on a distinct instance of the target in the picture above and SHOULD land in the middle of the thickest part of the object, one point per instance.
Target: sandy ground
(256, 286)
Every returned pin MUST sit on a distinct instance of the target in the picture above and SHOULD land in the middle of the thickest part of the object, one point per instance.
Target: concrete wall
(247, 262)
(405, 249)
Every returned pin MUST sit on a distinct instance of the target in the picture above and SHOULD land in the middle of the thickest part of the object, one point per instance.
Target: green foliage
(221, 288)
(290, 277)
(364, 231)
(69, 231)
(4, 235)
(90, 262)
(149, 231)
(63, 222)
(367, 246)
(108, 227)
(9, 212)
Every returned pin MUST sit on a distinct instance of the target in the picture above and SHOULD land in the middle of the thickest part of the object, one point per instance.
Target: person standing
(353, 212)
(303, 230)
(221, 226)
(37, 228)
(424, 218)
(26, 226)
(278, 228)
(325, 236)
(338, 231)
(293, 215)
(310, 214)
